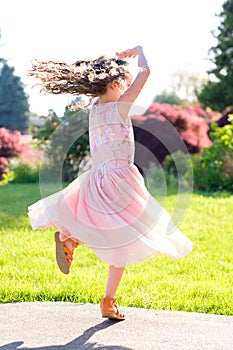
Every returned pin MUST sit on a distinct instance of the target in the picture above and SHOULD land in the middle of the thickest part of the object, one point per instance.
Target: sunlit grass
(200, 282)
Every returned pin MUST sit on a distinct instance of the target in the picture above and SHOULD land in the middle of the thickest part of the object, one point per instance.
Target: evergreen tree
(14, 107)
(218, 94)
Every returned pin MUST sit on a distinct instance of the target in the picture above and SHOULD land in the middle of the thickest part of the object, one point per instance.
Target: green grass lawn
(200, 282)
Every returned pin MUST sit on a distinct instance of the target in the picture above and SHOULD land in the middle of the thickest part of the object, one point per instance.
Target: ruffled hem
(117, 218)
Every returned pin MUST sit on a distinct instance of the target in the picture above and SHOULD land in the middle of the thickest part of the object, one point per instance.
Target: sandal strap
(74, 244)
(118, 313)
(68, 251)
(68, 254)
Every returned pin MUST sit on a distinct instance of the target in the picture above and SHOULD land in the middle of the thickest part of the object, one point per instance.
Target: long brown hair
(85, 77)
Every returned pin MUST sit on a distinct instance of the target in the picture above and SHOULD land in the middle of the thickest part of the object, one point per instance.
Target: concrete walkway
(68, 326)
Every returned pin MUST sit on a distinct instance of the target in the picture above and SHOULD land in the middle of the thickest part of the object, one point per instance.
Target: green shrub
(213, 167)
(24, 172)
(211, 170)
(177, 163)
(174, 175)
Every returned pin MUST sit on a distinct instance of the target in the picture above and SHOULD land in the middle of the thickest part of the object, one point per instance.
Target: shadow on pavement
(76, 344)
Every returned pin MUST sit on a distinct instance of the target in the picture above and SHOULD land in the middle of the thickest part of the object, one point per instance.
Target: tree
(184, 87)
(168, 97)
(217, 93)
(187, 83)
(14, 107)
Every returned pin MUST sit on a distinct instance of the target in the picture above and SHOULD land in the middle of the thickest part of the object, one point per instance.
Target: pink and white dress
(108, 208)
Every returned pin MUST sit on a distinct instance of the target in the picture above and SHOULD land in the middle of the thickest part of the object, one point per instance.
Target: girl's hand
(130, 53)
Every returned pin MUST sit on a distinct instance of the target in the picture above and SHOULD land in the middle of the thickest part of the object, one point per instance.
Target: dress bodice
(111, 137)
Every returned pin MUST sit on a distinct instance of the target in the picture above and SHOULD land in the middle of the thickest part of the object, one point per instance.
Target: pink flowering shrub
(191, 122)
(11, 145)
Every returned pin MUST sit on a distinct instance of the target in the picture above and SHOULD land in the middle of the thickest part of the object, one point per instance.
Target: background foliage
(65, 142)
(14, 107)
(213, 168)
(218, 92)
(11, 145)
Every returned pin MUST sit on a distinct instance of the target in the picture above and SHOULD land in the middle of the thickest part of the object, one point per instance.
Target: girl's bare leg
(114, 278)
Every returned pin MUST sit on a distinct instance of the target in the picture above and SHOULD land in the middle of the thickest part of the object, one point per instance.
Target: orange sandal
(64, 256)
(109, 309)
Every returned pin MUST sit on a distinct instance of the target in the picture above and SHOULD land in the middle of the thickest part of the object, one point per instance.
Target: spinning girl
(108, 208)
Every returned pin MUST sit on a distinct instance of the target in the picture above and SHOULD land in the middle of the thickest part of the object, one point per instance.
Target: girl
(108, 207)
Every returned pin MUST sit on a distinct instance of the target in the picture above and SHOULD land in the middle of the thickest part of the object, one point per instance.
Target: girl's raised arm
(134, 90)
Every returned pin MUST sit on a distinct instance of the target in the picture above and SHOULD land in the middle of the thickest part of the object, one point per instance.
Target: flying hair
(84, 77)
